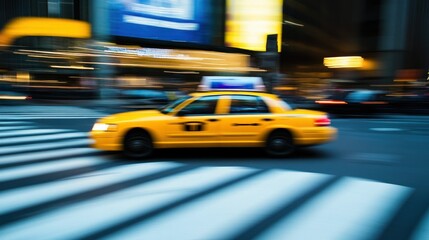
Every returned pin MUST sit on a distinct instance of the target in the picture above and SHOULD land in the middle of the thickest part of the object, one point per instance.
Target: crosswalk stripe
(2, 123)
(13, 122)
(396, 122)
(52, 114)
(43, 168)
(28, 117)
(51, 154)
(229, 211)
(11, 128)
(352, 209)
(43, 138)
(83, 218)
(44, 146)
(19, 198)
(340, 212)
(422, 231)
(31, 132)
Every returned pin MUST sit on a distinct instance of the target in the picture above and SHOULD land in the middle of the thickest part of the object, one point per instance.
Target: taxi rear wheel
(280, 143)
(138, 144)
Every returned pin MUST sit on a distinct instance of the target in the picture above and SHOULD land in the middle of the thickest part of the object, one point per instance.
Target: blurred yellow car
(214, 119)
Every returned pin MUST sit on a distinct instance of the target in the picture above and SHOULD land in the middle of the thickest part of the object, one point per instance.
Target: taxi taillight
(322, 122)
(333, 102)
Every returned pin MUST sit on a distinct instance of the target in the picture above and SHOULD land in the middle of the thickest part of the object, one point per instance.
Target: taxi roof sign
(233, 83)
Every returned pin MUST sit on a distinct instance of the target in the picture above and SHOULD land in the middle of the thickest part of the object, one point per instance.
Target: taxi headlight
(104, 127)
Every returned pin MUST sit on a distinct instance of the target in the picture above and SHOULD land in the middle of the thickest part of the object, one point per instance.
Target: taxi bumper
(315, 135)
(106, 141)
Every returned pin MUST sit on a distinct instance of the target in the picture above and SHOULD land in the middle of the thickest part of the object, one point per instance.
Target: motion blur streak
(352, 209)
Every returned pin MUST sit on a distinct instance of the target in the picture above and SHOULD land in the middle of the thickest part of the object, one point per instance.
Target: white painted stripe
(374, 157)
(12, 128)
(2, 123)
(44, 137)
(395, 122)
(99, 213)
(12, 200)
(422, 232)
(352, 209)
(11, 117)
(386, 129)
(230, 211)
(30, 132)
(43, 146)
(56, 113)
(48, 167)
(383, 121)
(52, 154)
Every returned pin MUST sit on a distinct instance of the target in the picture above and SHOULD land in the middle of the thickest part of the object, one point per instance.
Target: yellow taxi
(225, 117)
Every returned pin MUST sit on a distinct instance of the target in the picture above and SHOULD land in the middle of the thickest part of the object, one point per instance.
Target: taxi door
(195, 125)
(247, 117)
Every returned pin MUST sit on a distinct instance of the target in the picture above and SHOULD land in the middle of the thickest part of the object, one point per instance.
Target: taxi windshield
(170, 107)
(285, 105)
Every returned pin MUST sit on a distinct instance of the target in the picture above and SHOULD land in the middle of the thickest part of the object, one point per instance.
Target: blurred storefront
(131, 44)
(390, 36)
(40, 47)
(175, 43)
(168, 69)
(41, 56)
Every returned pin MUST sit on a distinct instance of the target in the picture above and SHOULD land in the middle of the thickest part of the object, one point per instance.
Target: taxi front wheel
(279, 143)
(138, 144)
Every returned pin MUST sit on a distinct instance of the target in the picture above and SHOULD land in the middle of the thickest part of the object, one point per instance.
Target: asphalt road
(371, 183)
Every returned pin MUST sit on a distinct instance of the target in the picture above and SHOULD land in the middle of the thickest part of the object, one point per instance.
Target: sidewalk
(44, 109)
(95, 105)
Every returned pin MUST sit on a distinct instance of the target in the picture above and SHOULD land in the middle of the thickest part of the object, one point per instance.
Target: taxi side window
(241, 104)
(202, 106)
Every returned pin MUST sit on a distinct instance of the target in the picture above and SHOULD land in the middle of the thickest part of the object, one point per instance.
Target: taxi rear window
(242, 104)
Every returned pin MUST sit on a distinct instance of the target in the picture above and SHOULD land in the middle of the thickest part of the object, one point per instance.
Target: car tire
(137, 144)
(279, 144)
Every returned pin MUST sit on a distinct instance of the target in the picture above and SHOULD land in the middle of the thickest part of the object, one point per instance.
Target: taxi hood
(131, 116)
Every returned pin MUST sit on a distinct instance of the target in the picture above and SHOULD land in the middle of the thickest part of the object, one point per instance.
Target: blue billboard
(169, 20)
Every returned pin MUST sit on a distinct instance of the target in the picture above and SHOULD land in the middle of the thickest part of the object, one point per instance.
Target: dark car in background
(143, 98)
(148, 98)
(354, 102)
(410, 103)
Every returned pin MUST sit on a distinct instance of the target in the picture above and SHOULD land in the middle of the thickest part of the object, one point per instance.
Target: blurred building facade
(72, 9)
(173, 57)
(390, 35)
(127, 49)
(38, 39)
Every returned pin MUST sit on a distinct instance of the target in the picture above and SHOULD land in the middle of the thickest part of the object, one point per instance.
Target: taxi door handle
(267, 119)
(212, 120)
(245, 124)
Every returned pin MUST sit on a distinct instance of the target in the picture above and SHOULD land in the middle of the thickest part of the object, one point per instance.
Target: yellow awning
(49, 27)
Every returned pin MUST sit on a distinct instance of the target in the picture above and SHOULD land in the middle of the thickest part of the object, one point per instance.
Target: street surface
(371, 183)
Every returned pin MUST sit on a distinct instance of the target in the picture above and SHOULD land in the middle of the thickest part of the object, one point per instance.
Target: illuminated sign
(171, 20)
(343, 62)
(176, 59)
(216, 83)
(249, 22)
(43, 27)
(150, 52)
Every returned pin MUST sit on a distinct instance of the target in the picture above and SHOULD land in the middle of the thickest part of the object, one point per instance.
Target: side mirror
(183, 112)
